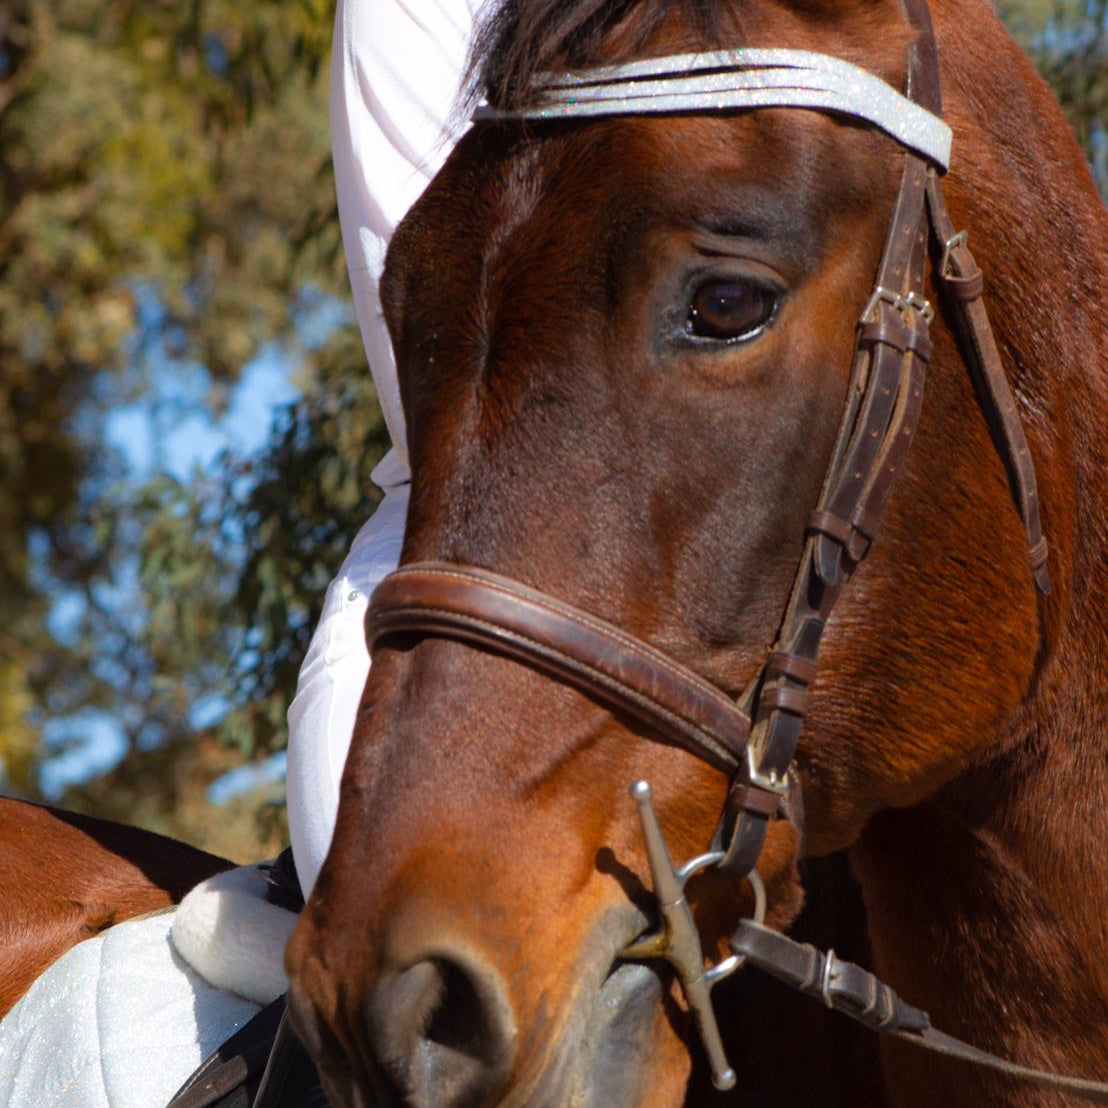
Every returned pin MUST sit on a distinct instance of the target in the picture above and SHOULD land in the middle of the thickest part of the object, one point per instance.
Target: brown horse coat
(66, 877)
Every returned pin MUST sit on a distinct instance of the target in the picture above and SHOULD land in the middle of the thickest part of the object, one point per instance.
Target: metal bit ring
(677, 941)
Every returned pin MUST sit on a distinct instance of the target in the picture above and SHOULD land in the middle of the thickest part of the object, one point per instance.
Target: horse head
(625, 348)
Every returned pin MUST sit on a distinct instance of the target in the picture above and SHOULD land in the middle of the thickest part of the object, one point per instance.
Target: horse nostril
(443, 1033)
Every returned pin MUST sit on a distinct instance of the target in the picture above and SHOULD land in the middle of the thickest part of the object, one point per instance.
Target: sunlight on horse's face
(623, 349)
(576, 424)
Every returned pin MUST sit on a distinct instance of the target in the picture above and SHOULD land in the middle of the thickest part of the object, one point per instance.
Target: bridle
(753, 739)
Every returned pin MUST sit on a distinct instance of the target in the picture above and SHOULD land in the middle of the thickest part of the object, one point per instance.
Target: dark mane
(519, 38)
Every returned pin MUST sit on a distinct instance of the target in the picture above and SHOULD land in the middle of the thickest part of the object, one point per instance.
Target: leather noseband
(480, 607)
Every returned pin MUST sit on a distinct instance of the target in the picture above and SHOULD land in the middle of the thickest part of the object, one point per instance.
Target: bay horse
(66, 877)
(625, 348)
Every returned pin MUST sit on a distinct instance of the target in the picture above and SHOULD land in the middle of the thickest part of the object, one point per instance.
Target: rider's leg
(395, 77)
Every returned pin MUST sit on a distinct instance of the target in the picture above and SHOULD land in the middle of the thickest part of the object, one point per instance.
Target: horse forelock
(520, 38)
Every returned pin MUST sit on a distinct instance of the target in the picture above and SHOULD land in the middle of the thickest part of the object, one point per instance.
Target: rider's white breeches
(321, 717)
(396, 71)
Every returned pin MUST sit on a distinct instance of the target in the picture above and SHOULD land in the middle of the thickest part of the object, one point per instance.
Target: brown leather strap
(884, 399)
(785, 698)
(940, 1043)
(799, 669)
(290, 1079)
(829, 524)
(980, 351)
(900, 338)
(841, 985)
(757, 801)
(861, 995)
(889, 377)
(924, 85)
(966, 288)
(480, 607)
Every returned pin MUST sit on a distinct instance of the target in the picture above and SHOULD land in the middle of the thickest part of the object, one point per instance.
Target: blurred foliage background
(167, 219)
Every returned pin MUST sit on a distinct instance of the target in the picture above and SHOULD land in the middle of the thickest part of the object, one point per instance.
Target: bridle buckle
(769, 780)
(960, 238)
(677, 940)
(914, 301)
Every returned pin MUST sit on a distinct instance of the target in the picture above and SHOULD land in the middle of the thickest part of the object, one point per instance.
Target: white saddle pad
(120, 1021)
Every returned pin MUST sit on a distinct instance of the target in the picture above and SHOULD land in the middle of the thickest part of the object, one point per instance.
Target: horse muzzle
(455, 1023)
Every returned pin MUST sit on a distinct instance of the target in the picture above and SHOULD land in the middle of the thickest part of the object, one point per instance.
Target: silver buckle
(961, 238)
(880, 295)
(677, 940)
(825, 979)
(772, 781)
(919, 303)
(914, 301)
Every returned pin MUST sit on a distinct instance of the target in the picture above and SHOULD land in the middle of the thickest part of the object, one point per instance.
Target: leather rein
(753, 739)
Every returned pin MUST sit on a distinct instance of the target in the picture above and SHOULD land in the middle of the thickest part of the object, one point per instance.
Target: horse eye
(729, 310)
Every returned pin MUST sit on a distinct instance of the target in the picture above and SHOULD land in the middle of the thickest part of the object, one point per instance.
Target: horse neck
(1041, 234)
(986, 904)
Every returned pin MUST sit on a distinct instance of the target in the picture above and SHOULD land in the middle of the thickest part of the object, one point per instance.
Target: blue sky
(194, 441)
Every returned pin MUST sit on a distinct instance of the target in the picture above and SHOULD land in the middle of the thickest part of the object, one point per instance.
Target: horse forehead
(587, 181)
(514, 262)
(669, 155)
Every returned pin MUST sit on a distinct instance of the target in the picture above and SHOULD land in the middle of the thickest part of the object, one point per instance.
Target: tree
(170, 213)
(1068, 41)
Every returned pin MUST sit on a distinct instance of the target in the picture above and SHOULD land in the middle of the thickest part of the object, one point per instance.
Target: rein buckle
(677, 940)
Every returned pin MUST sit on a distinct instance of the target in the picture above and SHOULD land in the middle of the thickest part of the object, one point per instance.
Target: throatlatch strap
(959, 275)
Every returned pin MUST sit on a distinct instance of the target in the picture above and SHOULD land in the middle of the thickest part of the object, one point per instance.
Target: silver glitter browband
(726, 80)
